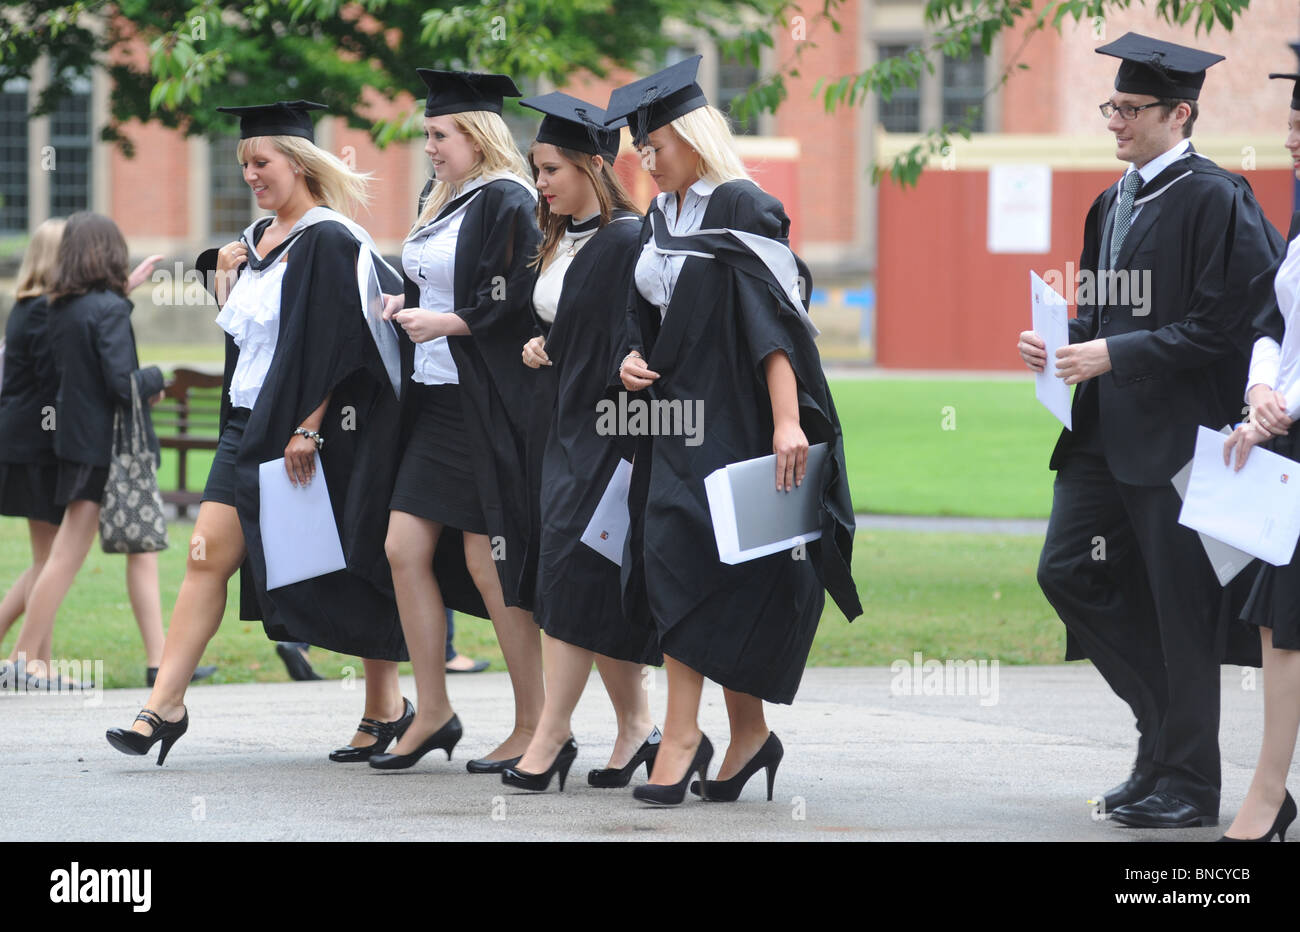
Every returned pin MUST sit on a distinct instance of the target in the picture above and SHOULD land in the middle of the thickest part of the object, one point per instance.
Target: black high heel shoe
(608, 777)
(484, 765)
(728, 791)
(539, 782)
(1285, 816)
(132, 742)
(445, 738)
(671, 794)
(385, 733)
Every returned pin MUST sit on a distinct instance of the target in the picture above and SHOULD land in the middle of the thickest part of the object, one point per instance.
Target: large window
(70, 132)
(13, 157)
(963, 87)
(734, 78)
(902, 112)
(230, 197)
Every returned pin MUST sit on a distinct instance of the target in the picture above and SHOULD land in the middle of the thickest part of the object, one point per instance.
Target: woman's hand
(141, 273)
(535, 353)
(300, 460)
(1268, 410)
(635, 374)
(392, 304)
(791, 449)
(420, 325)
(1242, 440)
(229, 258)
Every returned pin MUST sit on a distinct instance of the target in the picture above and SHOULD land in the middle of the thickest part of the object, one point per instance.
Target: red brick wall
(149, 193)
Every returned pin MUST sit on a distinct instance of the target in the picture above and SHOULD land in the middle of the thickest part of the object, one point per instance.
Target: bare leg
(410, 546)
(681, 723)
(216, 551)
(748, 731)
(567, 667)
(626, 685)
(14, 603)
(383, 697)
(1281, 722)
(521, 645)
(67, 554)
(142, 587)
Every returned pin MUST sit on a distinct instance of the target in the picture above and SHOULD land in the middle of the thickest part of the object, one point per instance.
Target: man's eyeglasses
(1109, 109)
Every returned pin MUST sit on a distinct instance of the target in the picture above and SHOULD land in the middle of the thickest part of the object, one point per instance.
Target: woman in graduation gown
(588, 250)
(717, 322)
(1273, 391)
(458, 522)
(310, 369)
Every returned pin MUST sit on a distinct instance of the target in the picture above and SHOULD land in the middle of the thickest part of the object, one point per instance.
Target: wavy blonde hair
(329, 179)
(36, 274)
(498, 155)
(707, 132)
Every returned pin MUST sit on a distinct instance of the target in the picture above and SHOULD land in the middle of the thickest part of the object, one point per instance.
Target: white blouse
(429, 259)
(656, 272)
(546, 293)
(252, 316)
(1279, 366)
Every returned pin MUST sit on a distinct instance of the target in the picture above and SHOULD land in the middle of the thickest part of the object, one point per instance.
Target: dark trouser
(1146, 616)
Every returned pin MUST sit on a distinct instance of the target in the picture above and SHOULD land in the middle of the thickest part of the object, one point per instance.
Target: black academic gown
(579, 592)
(749, 626)
(497, 238)
(324, 348)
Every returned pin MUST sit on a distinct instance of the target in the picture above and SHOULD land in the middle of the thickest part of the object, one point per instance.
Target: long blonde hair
(36, 274)
(329, 179)
(498, 155)
(706, 131)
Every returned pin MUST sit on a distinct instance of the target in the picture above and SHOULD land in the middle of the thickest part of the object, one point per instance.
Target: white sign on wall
(1020, 208)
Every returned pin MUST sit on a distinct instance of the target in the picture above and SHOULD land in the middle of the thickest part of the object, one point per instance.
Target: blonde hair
(498, 154)
(610, 196)
(36, 274)
(707, 132)
(329, 179)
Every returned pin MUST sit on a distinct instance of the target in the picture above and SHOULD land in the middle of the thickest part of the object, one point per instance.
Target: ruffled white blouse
(252, 317)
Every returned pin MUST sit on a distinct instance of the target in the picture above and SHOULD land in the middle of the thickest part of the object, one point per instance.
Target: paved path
(862, 763)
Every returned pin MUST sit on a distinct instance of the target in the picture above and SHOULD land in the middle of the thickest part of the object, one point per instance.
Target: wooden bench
(188, 418)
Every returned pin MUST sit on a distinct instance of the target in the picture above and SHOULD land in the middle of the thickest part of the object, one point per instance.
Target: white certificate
(1227, 561)
(1256, 510)
(1051, 321)
(607, 530)
(299, 537)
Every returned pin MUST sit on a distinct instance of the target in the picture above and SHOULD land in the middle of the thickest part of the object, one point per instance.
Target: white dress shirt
(251, 316)
(1276, 366)
(656, 272)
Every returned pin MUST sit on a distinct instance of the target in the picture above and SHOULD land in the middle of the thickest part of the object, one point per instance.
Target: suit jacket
(1176, 314)
(94, 355)
(30, 385)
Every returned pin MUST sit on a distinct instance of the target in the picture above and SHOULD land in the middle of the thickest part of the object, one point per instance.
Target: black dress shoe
(385, 733)
(483, 765)
(613, 777)
(1160, 810)
(1285, 816)
(129, 741)
(445, 738)
(1136, 788)
(200, 673)
(728, 791)
(296, 662)
(670, 794)
(540, 782)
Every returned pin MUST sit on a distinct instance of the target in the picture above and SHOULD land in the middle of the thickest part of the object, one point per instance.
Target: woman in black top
(93, 347)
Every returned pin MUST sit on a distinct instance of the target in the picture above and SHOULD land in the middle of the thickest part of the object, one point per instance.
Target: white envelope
(607, 530)
(751, 519)
(1051, 321)
(299, 536)
(1256, 510)
(1227, 561)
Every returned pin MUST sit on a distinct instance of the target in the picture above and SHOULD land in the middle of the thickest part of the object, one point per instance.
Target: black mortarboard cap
(656, 101)
(575, 124)
(1295, 89)
(282, 118)
(461, 91)
(1161, 69)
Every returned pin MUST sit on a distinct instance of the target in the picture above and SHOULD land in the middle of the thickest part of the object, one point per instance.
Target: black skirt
(434, 480)
(1274, 600)
(27, 491)
(220, 486)
(79, 481)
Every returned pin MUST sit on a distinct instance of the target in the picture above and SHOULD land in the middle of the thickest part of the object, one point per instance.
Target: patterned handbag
(131, 516)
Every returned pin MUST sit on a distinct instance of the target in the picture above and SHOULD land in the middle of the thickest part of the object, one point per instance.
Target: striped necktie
(1123, 214)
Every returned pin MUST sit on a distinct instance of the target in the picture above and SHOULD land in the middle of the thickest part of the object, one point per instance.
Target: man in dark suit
(1174, 267)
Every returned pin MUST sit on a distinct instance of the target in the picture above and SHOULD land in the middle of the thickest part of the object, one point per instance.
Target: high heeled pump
(1285, 816)
(385, 733)
(445, 738)
(132, 742)
(728, 791)
(671, 794)
(539, 782)
(613, 777)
